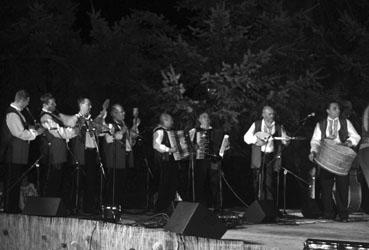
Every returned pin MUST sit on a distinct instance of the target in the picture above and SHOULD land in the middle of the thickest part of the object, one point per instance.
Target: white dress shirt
(250, 137)
(15, 125)
(332, 132)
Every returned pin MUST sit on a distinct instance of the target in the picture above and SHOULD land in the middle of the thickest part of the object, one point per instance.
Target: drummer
(340, 131)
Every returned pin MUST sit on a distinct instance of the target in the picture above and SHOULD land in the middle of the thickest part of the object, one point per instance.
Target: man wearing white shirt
(265, 158)
(85, 153)
(340, 131)
(16, 136)
(168, 182)
(54, 149)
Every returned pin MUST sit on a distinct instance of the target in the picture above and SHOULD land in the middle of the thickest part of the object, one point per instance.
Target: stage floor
(291, 234)
(292, 231)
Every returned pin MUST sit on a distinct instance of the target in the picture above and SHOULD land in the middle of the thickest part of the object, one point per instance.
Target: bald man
(168, 182)
(265, 159)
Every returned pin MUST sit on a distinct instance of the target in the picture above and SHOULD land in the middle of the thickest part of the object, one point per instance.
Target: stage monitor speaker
(193, 219)
(44, 206)
(261, 211)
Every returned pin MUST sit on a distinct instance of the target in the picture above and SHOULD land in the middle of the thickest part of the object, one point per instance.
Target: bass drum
(334, 158)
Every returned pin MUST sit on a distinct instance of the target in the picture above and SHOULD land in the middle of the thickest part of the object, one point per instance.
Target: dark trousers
(167, 185)
(57, 183)
(116, 186)
(13, 173)
(89, 184)
(202, 190)
(53, 182)
(264, 183)
(214, 185)
(327, 181)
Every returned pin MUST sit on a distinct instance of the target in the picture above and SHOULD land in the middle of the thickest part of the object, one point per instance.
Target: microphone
(307, 117)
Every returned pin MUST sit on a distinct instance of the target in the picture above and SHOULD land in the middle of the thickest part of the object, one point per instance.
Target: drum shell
(335, 158)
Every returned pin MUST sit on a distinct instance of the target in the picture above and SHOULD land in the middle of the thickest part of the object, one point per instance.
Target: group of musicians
(78, 139)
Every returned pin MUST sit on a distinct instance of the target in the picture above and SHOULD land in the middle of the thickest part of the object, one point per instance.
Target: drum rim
(329, 170)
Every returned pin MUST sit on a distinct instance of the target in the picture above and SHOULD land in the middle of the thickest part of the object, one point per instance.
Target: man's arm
(17, 129)
(284, 135)
(250, 137)
(55, 129)
(354, 137)
(157, 142)
(315, 142)
(316, 139)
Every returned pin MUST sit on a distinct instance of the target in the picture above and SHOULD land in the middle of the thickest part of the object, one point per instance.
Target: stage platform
(33, 232)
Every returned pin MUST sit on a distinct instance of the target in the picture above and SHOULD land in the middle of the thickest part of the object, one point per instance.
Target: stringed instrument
(98, 124)
(135, 133)
(263, 138)
(354, 192)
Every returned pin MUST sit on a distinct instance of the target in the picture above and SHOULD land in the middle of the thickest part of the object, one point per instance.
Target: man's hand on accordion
(172, 150)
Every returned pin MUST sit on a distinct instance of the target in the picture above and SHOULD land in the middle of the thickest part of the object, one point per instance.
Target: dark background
(229, 58)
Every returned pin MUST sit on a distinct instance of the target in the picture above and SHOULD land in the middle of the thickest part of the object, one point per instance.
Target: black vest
(53, 149)
(13, 149)
(342, 133)
(163, 156)
(256, 150)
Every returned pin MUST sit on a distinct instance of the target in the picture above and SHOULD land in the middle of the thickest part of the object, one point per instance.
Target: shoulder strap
(323, 127)
(343, 133)
(258, 126)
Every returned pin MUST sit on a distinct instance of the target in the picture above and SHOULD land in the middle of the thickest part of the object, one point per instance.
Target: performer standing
(85, 155)
(363, 157)
(16, 137)
(340, 131)
(265, 158)
(207, 142)
(168, 168)
(54, 149)
(118, 156)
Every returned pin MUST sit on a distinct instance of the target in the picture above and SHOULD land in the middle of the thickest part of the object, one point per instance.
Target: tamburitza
(335, 158)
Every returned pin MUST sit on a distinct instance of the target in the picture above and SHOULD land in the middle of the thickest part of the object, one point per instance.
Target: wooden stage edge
(32, 232)
(19, 232)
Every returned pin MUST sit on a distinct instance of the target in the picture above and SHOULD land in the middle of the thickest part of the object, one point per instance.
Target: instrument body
(263, 138)
(178, 141)
(354, 193)
(335, 158)
(203, 144)
(135, 132)
(94, 126)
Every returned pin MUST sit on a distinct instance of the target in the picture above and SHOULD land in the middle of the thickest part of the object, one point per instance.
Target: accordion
(178, 141)
(203, 144)
(205, 147)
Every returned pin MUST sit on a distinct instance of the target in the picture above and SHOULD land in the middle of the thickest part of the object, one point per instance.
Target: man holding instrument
(15, 139)
(164, 158)
(118, 156)
(54, 149)
(341, 132)
(266, 153)
(85, 154)
(207, 142)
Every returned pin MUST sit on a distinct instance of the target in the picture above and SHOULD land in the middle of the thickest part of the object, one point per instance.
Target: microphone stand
(101, 168)
(192, 165)
(34, 165)
(77, 170)
(286, 171)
